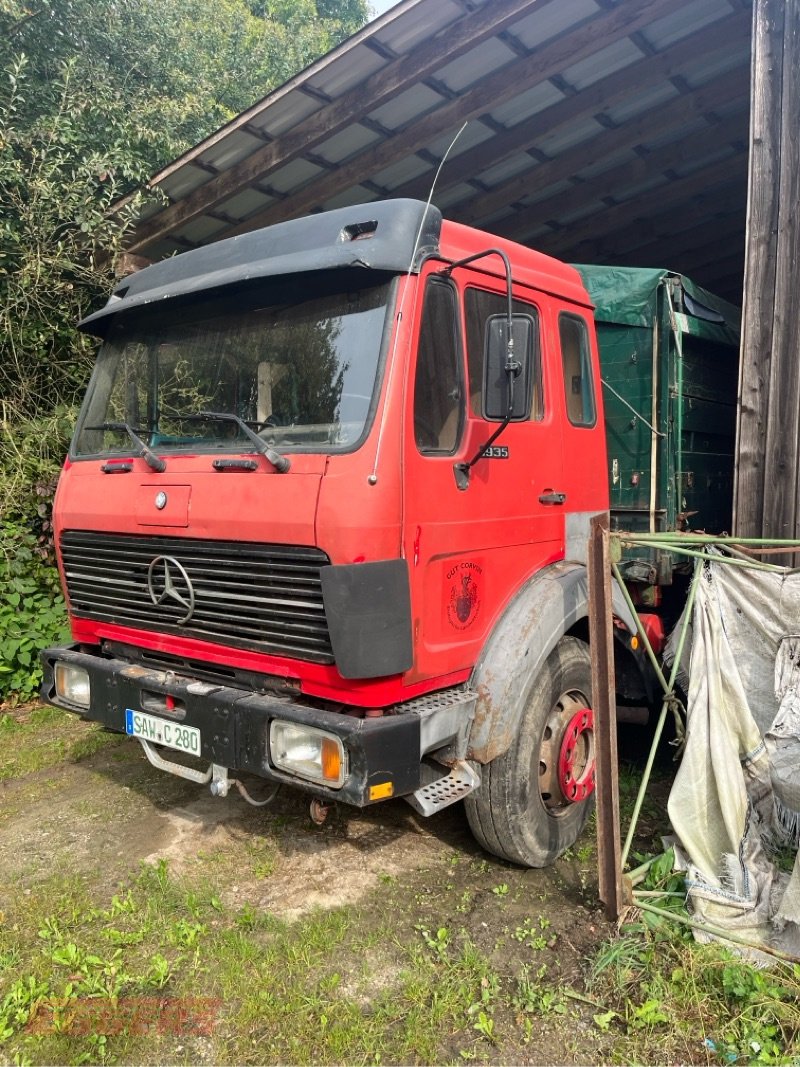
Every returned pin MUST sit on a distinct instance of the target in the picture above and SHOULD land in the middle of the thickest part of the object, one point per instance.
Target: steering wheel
(272, 421)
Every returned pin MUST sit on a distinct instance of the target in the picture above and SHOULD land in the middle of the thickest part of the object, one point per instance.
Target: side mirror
(496, 378)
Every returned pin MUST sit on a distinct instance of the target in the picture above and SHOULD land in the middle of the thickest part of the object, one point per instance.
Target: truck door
(583, 430)
(470, 549)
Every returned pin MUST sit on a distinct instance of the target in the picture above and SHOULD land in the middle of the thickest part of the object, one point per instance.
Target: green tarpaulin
(628, 296)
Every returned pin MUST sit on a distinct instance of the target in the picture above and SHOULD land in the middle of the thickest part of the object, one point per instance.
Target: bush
(32, 610)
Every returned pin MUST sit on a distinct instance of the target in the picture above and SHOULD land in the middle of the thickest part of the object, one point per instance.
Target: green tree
(95, 95)
(168, 73)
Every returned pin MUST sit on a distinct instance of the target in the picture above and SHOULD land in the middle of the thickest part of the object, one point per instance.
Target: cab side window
(438, 392)
(479, 306)
(575, 356)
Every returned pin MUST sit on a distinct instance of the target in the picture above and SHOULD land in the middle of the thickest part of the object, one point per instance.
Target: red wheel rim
(576, 763)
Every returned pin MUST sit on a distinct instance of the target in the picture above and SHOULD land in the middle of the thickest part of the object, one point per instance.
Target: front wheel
(534, 800)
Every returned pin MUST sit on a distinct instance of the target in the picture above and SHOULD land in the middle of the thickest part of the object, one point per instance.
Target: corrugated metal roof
(589, 124)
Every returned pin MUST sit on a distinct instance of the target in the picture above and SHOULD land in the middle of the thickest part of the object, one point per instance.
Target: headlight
(72, 684)
(307, 752)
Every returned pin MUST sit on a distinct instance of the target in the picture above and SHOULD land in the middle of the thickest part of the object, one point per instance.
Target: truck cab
(324, 520)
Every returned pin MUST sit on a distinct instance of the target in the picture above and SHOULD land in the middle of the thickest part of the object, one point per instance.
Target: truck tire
(520, 811)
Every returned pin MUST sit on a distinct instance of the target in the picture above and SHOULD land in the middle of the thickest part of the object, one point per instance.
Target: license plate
(161, 732)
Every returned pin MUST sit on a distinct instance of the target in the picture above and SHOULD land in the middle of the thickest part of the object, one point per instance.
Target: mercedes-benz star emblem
(161, 500)
(167, 580)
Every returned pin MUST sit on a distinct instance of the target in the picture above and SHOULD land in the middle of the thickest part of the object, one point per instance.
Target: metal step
(443, 717)
(461, 781)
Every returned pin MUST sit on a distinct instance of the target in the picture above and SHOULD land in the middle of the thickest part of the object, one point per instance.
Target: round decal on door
(464, 584)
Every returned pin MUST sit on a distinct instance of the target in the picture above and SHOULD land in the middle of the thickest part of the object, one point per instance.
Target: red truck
(324, 521)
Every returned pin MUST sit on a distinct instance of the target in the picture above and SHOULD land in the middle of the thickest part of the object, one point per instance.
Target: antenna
(373, 478)
(430, 195)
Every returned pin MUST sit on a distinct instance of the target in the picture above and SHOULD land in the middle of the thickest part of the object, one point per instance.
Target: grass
(465, 960)
(701, 1002)
(332, 987)
(44, 737)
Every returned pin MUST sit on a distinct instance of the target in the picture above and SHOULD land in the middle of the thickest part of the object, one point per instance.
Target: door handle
(552, 498)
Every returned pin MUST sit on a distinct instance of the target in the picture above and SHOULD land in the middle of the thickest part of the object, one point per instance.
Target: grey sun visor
(389, 235)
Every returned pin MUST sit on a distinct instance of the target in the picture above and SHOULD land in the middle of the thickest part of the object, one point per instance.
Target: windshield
(298, 367)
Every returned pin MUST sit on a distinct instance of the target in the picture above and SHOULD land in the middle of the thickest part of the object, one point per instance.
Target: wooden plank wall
(768, 438)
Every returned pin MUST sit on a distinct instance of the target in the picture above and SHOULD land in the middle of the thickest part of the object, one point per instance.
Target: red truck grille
(263, 597)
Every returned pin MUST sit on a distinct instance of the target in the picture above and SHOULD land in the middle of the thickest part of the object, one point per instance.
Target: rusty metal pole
(601, 639)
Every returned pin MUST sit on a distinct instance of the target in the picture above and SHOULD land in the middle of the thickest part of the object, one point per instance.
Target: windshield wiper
(150, 458)
(279, 462)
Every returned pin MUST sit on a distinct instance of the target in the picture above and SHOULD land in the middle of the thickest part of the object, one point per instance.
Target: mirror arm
(448, 270)
(512, 367)
(461, 470)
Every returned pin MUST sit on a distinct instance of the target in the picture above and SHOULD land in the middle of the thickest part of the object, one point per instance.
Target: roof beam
(610, 90)
(724, 252)
(681, 242)
(689, 259)
(730, 267)
(657, 230)
(466, 33)
(658, 121)
(697, 192)
(614, 181)
(589, 37)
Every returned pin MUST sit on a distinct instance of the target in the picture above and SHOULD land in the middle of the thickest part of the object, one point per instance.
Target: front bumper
(383, 752)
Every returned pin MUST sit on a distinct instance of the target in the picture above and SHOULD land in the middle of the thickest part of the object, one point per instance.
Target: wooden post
(127, 263)
(768, 438)
(601, 640)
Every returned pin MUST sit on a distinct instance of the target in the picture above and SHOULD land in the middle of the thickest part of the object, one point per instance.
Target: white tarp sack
(736, 796)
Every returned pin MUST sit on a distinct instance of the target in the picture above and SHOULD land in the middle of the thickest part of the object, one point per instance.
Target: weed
(437, 941)
(500, 890)
(185, 934)
(602, 1020)
(648, 1014)
(484, 1024)
(120, 906)
(247, 918)
(264, 867)
(533, 934)
(20, 1003)
(50, 930)
(263, 857)
(535, 996)
(10, 960)
(659, 981)
(158, 974)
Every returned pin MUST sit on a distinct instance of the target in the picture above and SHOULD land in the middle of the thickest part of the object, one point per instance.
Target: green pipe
(739, 554)
(638, 873)
(663, 716)
(724, 935)
(675, 537)
(754, 565)
(657, 893)
(670, 539)
(639, 627)
(679, 474)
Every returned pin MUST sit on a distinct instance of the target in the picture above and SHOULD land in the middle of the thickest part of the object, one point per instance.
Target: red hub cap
(576, 765)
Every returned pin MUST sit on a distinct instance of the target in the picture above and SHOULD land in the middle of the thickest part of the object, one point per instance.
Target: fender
(544, 610)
